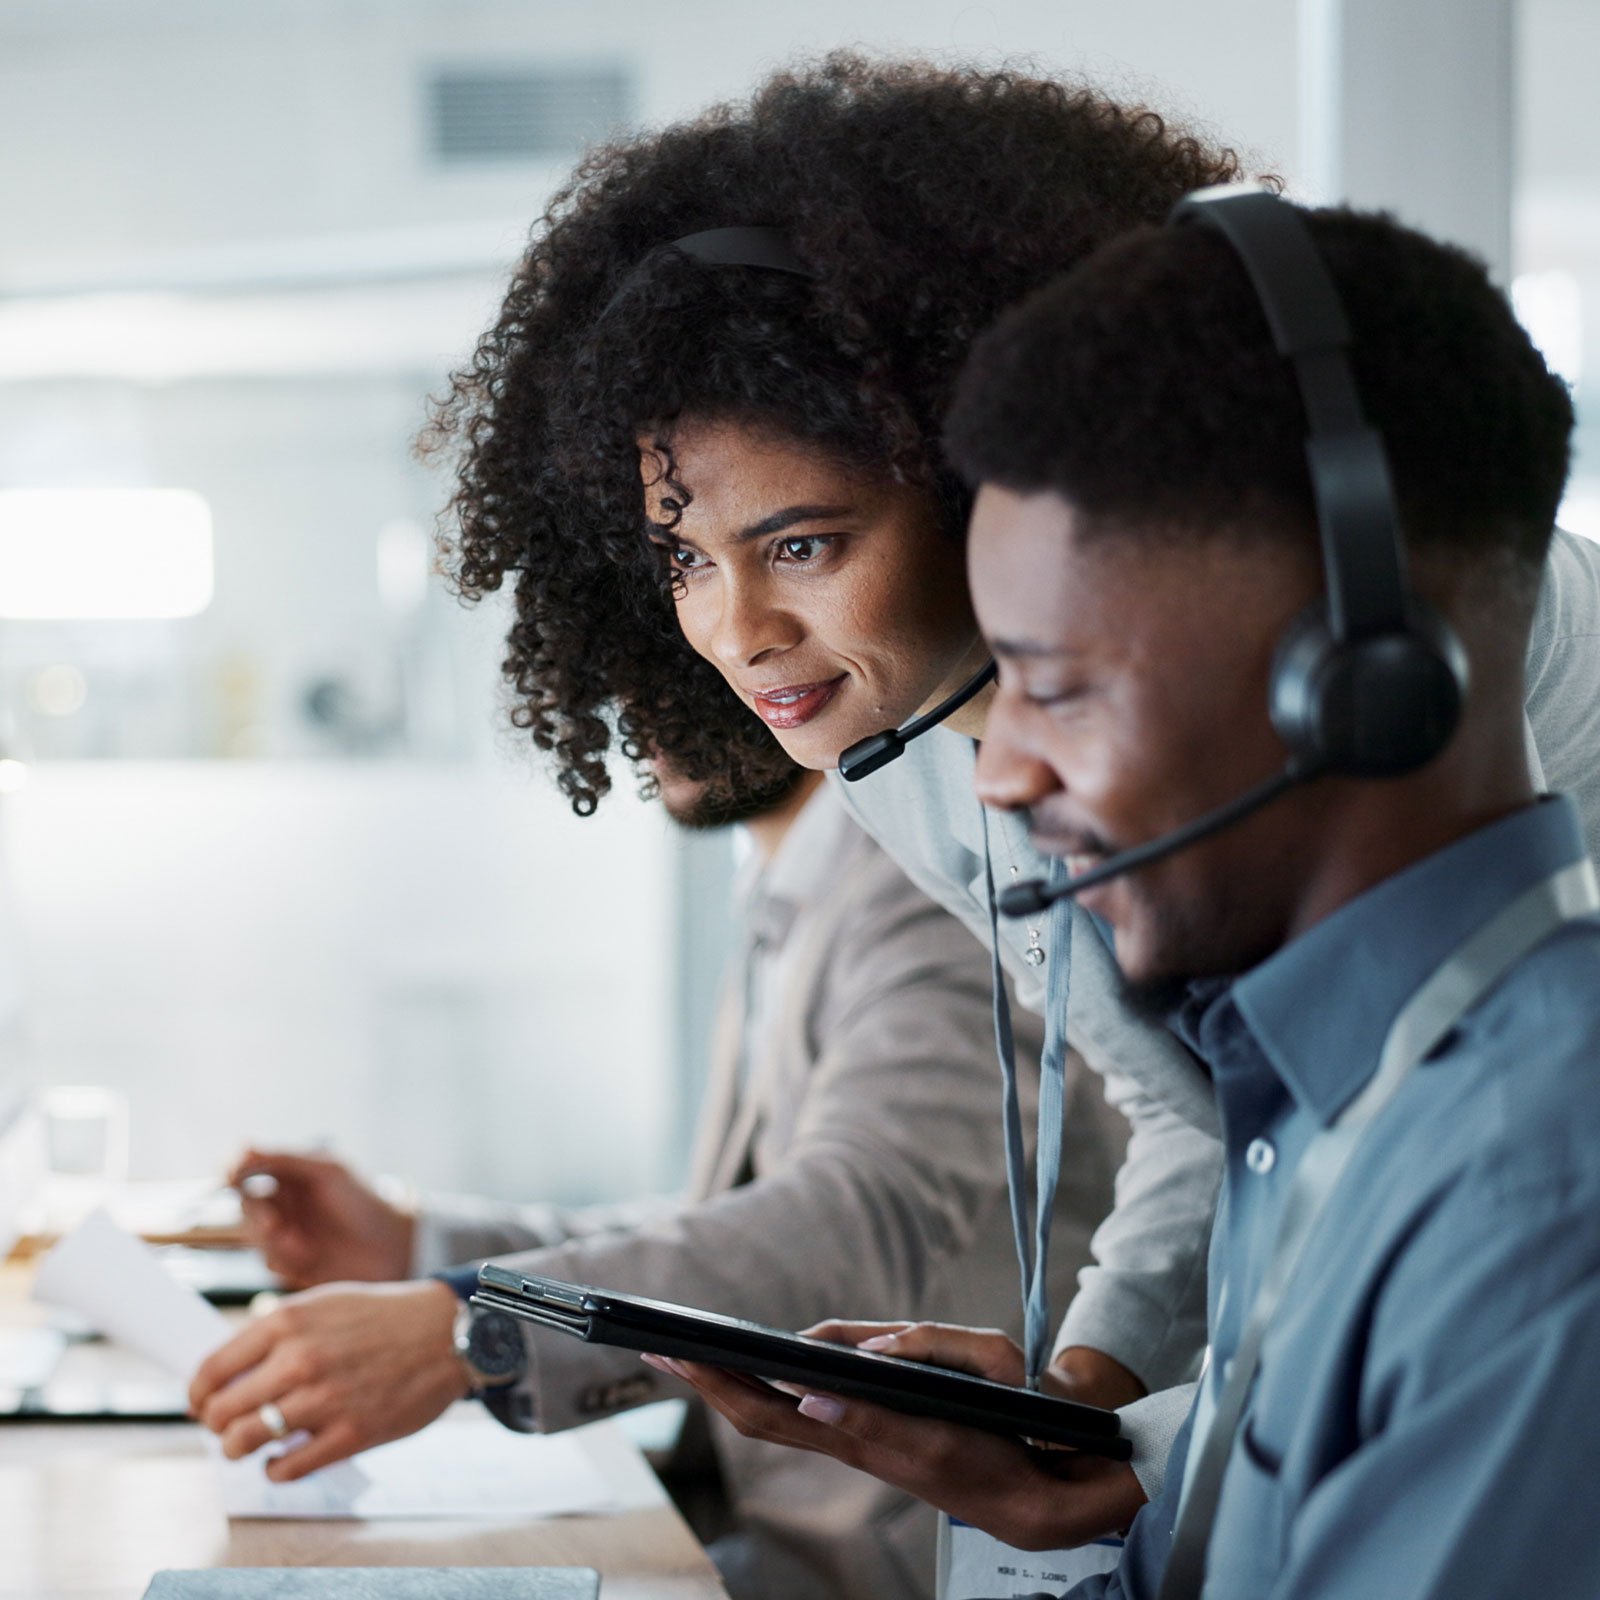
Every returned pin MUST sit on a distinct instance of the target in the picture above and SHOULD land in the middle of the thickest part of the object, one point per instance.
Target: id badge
(972, 1566)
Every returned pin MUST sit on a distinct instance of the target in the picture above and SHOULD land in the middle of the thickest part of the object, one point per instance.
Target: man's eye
(802, 549)
(1052, 697)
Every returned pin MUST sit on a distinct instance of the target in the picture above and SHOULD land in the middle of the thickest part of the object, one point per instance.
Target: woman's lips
(796, 704)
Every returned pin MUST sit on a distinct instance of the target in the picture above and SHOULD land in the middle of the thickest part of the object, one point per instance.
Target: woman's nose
(750, 627)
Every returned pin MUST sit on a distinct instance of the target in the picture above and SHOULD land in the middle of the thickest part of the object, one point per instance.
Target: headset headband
(1362, 547)
(742, 247)
(766, 249)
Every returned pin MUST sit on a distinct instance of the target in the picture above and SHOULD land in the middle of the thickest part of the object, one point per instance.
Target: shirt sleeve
(891, 1162)
(1142, 1300)
(451, 1229)
(1152, 1425)
(1563, 668)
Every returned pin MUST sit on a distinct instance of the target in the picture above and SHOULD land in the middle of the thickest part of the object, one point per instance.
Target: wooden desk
(89, 1511)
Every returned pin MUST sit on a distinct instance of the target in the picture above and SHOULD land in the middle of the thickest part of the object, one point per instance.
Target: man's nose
(1010, 775)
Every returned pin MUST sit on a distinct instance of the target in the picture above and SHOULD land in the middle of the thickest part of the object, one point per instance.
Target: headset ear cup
(1370, 708)
(1293, 695)
(1440, 677)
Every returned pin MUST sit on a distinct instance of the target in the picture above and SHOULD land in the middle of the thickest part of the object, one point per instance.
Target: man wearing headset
(1391, 967)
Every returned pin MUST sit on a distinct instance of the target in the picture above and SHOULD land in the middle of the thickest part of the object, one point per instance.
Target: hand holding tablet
(680, 1332)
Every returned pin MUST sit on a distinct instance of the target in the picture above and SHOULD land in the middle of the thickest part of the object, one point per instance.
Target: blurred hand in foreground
(317, 1222)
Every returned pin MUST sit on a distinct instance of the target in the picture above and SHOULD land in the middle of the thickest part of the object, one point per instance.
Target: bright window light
(1580, 511)
(404, 562)
(1549, 305)
(69, 553)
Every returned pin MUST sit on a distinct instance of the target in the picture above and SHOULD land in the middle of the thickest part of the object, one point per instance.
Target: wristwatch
(490, 1346)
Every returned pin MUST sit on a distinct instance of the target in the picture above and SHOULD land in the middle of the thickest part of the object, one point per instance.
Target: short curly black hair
(1144, 388)
(923, 200)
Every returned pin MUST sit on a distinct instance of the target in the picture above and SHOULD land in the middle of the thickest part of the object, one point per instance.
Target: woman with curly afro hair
(921, 202)
(718, 493)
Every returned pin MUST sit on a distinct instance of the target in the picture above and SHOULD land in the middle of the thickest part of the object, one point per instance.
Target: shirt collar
(771, 894)
(1322, 1006)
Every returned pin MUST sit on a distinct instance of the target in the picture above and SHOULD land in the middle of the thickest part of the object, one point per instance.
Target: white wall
(133, 130)
(436, 967)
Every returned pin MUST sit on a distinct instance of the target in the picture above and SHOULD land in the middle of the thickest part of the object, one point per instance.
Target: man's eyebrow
(1026, 648)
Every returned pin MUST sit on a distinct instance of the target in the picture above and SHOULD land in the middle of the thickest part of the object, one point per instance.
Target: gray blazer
(1142, 1299)
(859, 1171)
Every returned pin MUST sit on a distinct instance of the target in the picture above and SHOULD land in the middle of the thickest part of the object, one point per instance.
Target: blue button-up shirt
(1425, 1424)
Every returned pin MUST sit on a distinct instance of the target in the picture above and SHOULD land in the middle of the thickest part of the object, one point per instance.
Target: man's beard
(1197, 953)
(721, 805)
(1155, 999)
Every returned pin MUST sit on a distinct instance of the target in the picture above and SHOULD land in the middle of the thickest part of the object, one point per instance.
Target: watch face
(494, 1345)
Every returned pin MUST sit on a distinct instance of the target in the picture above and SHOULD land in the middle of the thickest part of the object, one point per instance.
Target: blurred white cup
(85, 1134)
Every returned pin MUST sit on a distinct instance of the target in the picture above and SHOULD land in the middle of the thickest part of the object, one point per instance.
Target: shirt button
(1261, 1156)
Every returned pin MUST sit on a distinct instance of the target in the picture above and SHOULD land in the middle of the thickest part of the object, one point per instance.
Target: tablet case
(377, 1583)
(602, 1316)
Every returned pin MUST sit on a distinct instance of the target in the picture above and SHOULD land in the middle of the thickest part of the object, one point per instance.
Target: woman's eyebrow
(788, 517)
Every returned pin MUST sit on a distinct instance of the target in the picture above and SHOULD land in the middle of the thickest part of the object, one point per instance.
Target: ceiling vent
(525, 114)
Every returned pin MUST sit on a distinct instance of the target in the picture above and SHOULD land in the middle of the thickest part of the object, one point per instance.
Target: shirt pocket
(1251, 1533)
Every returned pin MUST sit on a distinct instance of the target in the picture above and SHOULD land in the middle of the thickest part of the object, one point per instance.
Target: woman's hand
(1027, 1497)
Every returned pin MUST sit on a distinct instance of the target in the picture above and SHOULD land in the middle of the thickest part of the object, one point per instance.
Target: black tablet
(603, 1317)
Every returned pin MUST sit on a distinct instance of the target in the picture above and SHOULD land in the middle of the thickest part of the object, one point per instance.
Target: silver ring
(272, 1420)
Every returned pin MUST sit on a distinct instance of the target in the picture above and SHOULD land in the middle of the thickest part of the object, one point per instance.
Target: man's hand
(1032, 1499)
(352, 1365)
(321, 1223)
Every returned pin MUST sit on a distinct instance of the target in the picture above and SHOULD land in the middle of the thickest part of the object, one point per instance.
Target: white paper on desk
(115, 1281)
(455, 1468)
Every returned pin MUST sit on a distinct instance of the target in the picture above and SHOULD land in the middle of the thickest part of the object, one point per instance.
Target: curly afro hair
(922, 200)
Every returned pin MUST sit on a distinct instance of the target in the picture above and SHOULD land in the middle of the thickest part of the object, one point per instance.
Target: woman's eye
(802, 550)
(684, 559)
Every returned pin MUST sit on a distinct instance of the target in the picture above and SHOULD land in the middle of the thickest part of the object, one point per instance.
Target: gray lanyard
(1463, 979)
(1033, 1257)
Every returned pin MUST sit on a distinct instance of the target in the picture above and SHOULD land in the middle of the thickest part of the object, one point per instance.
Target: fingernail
(881, 1341)
(822, 1408)
(653, 1361)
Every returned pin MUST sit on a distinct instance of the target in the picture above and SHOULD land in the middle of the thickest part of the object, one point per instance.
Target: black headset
(1369, 680)
(763, 248)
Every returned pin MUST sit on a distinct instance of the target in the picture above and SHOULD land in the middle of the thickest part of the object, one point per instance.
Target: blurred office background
(272, 865)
